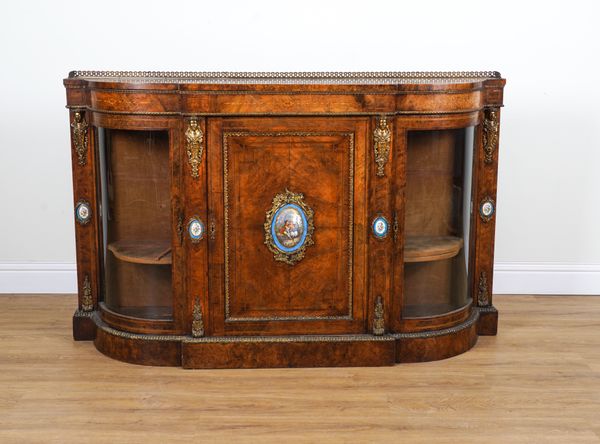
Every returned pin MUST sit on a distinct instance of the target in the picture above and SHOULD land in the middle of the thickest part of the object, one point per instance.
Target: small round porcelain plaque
(83, 212)
(380, 227)
(486, 209)
(196, 229)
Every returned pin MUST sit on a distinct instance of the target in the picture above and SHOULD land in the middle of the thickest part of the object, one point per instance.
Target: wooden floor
(538, 381)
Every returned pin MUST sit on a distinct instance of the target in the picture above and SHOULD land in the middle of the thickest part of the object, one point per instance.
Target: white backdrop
(548, 240)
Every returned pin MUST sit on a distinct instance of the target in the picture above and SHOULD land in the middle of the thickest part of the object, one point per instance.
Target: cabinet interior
(437, 220)
(135, 204)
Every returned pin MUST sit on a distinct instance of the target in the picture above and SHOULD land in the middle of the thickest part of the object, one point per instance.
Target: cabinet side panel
(381, 169)
(84, 196)
(194, 170)
(484, 206)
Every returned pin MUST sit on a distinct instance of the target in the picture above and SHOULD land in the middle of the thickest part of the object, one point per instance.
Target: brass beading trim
(472, 319)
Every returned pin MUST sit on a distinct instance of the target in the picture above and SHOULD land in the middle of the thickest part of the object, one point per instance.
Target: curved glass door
(135, 205)
(437, 221)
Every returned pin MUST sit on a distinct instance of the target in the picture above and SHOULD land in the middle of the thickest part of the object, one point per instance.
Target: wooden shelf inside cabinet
(431, 248)
(142, 252)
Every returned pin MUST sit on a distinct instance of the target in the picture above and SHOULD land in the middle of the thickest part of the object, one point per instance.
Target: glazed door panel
(289, 198)
(138, 198)
(437, 218)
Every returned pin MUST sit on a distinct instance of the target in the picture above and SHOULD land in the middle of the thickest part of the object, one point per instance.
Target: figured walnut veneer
(182, 269)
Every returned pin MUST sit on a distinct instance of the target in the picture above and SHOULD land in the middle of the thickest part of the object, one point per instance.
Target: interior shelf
(142, 252)
(431, 248)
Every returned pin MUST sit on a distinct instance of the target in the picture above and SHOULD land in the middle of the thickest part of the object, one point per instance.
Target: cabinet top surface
(292, 78)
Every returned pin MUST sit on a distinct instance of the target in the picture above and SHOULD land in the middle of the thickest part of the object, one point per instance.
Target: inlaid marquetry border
(350, 136)
(275, 114)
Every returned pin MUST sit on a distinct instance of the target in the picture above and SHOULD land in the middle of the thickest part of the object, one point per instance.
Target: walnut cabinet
(284, 219)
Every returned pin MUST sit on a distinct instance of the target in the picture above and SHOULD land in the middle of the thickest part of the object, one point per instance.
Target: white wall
(548, 238)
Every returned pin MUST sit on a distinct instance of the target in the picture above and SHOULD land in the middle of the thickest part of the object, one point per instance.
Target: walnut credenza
(284, 219)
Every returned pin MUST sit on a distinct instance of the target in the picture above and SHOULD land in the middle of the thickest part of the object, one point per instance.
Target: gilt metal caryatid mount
(194, 146)
(491, 129)
(79, 129)
(381, 144)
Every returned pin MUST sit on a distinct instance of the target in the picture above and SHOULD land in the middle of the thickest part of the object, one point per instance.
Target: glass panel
(135, 206)
(438, 203)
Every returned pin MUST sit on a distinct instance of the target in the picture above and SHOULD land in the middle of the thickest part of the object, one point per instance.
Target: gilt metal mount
(197, 321)
(381, 145)
(194, 145)
(378, 318)
(491, 128)
(79, 130)
(87, 302)
(483, 294)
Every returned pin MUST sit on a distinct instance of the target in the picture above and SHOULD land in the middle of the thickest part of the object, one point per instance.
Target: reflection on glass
(438, 197)
(136, 222)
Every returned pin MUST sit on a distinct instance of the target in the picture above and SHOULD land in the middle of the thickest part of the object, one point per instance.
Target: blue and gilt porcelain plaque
(195, 229)
(380, 227)
(83, 212)
(289, 227)
(487, 209)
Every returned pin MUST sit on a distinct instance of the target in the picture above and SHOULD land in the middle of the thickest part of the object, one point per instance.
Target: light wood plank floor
(538, 381)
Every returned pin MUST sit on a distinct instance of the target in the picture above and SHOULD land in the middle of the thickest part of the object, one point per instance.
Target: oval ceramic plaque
(289, 227)
(380, 227)
(83, 212)
(486, 209)
(195, 229)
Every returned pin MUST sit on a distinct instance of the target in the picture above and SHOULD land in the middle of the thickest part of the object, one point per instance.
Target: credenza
(232, 220)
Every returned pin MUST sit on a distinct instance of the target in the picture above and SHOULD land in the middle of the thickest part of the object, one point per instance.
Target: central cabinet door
(287, 197)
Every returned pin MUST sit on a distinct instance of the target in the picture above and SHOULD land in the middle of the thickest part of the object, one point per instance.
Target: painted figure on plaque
(289, 227)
